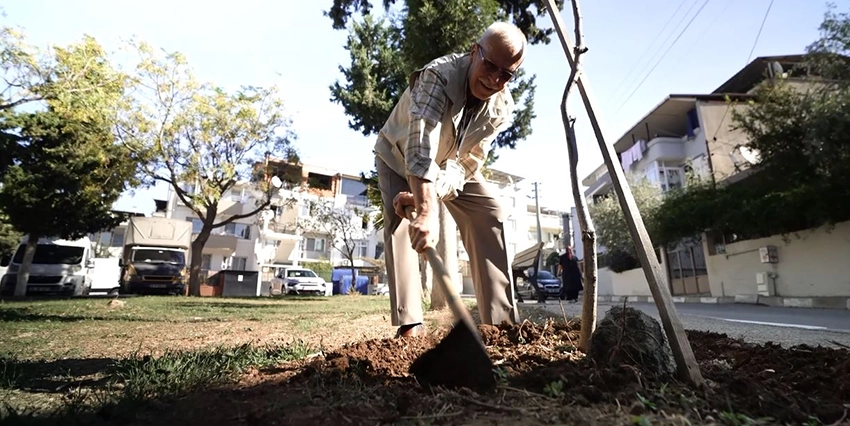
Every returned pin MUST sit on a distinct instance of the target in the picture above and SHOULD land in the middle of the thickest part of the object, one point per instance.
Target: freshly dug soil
(543, 380)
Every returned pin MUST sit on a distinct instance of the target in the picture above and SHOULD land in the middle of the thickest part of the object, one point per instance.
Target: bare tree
(345, 226)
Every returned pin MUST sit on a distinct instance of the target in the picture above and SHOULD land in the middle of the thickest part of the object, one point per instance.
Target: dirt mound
(790, 384)
(543, 380)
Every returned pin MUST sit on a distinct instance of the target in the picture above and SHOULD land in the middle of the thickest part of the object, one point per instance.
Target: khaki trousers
(480, 221)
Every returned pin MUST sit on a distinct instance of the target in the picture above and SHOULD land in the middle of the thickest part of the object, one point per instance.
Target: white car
(301, 281)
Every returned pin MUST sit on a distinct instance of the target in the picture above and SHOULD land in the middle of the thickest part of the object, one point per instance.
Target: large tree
(67, 168)
(803, 153)
(204, 138)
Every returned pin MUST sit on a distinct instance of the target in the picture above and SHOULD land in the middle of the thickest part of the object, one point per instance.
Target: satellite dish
(276, 182)
(750, 155)
(775, 69)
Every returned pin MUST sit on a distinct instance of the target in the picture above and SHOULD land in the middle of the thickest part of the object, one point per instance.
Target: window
(379, 250)
(300, 273)
(206, 263)
(238, 263)
(314, 244)
(197, 224)
(117, 239)
(361, 249)
(237, 194)
(240, 230)
(305, 209)
(667, 178)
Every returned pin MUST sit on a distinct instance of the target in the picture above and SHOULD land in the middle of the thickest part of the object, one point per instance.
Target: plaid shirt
(427, 105)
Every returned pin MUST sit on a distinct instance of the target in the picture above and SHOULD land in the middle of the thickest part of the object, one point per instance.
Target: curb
(776, 301)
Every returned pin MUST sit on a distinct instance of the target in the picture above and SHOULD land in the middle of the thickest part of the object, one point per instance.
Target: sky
(639, 52)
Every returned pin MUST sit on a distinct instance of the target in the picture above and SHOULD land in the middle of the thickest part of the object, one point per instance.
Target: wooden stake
(686, 363)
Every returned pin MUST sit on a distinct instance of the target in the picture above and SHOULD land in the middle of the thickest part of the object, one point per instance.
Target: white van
(58, 267)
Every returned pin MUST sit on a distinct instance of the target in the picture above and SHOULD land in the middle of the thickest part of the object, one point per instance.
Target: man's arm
(427, 104)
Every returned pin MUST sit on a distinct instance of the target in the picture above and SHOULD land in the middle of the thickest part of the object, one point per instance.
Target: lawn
(91, 328)
(319, 361)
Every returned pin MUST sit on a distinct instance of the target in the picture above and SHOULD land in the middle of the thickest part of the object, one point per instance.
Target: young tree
(204, 136)
(345, 226)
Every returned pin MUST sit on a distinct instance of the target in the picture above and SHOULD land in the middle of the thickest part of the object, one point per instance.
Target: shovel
(460, 359)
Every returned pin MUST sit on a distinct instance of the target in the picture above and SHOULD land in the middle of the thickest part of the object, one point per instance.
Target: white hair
(507, 34)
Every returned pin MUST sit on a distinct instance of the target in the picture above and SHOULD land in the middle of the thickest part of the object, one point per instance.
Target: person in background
(570, 276)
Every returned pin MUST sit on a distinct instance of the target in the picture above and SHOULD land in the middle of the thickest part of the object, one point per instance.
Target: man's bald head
(495, 58)
(506, 37)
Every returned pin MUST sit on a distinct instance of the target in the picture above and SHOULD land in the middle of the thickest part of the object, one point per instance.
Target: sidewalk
(777, 301)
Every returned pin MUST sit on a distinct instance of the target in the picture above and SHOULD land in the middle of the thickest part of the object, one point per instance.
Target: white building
(283, 237)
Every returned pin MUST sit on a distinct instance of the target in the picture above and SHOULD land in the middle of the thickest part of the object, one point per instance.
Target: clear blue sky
(291, 44)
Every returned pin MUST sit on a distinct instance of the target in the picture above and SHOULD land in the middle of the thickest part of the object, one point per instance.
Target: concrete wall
(604, 282)
(716, 124)
(815, 264)
(630, 283)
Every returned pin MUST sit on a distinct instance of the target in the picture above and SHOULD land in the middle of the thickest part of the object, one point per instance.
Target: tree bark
(26, 263)
(447, 250)
(197, 261)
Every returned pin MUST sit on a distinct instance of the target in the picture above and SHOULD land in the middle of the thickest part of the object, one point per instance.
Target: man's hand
(419, 228)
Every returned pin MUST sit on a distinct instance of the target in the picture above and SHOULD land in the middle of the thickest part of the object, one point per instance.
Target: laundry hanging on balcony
(633, 154)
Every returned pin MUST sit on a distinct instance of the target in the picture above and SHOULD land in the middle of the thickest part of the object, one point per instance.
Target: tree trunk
(197, 261)
(447, 249)
(24, 269)
(588, 241)
(353, 288)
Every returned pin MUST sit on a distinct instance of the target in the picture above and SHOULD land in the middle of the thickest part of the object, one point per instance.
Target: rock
(115, 303)
(627, 336)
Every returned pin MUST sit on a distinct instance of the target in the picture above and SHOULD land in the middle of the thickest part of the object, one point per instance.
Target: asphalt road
(754, 323)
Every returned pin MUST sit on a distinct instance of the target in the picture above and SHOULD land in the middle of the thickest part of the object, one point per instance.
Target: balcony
(224, 245)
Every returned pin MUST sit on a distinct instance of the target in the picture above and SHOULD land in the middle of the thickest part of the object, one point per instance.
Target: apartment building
(690, 133)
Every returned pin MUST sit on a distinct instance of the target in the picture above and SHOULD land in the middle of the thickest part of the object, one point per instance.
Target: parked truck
(156, 256)
(59, 267)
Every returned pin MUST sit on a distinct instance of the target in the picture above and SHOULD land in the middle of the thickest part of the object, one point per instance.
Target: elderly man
(432, 147)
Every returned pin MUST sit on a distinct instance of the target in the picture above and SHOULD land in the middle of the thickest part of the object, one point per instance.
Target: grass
(68, 358)
(57, 329)
(75, 354)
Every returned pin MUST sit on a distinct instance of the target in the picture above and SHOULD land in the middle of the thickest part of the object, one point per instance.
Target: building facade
(695, 134)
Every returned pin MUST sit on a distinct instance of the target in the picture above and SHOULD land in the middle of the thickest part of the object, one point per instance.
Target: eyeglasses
(491, 68)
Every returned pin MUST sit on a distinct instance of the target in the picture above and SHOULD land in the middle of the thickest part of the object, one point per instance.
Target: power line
(665, 54)
(761, 27)
(664, 43)
(749, 57)
(644, 53)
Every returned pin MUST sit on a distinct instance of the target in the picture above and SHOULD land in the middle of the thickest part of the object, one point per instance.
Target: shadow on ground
(54, 376)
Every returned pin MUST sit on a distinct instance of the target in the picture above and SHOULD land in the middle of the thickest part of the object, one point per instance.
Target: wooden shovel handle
(444, 280)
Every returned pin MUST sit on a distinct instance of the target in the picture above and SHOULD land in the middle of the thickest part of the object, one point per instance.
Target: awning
(528, 257)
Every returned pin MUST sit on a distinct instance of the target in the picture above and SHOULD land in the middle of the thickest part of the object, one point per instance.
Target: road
(753, 323)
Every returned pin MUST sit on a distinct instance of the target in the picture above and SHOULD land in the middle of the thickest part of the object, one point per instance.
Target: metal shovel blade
(459, 360)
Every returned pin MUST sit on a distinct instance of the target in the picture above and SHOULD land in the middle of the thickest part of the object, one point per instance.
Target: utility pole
(539, 228)
(537, 210)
